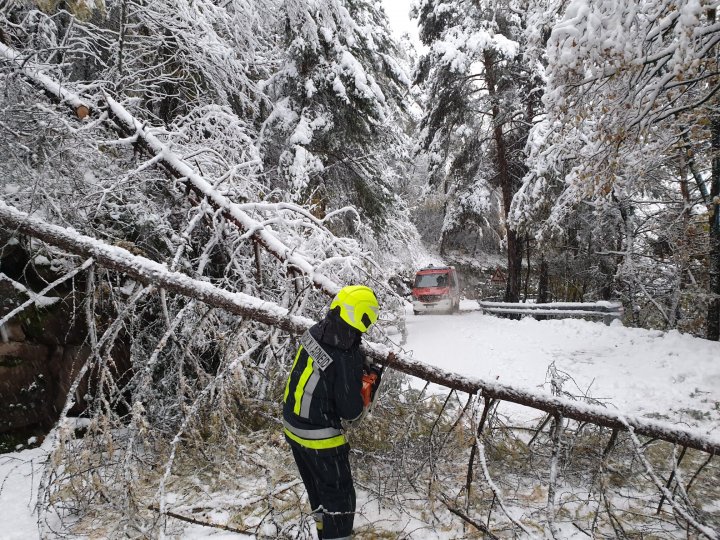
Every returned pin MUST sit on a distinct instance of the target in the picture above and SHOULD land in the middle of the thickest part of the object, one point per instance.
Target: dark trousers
(329, 485)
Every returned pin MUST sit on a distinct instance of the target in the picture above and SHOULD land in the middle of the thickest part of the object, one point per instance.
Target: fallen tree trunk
(53, 89)
(545, 401)
(151, 272)
(181, 171)
(177, 168)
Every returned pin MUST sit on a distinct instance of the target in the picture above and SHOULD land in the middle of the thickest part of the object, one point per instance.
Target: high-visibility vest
(302, 423)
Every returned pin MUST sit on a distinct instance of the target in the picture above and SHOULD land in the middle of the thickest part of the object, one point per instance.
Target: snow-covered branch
(702, 529)
(569, 409)
(150, 272)
(182, 171)
(35, 298)
(51, 87)
(177, 167)
(40, 299)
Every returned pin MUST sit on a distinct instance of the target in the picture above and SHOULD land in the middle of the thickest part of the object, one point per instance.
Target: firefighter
(330, 381)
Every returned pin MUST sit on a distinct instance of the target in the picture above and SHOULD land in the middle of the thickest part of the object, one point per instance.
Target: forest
(186, 184)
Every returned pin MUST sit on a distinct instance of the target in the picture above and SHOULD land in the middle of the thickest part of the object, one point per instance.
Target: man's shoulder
(322, 357)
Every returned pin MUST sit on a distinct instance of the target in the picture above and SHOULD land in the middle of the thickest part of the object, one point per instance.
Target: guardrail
(603, 309)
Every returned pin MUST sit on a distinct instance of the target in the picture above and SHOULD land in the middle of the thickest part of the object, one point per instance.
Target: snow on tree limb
(706, 531)
(493, 487)
(269, 313)
(35, 298)
(182, 171)
(176, 166)
(150, 272)
(40, 299)
(569, 409)
(47, 84)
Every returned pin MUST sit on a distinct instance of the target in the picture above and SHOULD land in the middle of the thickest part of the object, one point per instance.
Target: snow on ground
(642, 372)
(19, 478)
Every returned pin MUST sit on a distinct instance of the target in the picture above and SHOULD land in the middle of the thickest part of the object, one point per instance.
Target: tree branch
(150, 272)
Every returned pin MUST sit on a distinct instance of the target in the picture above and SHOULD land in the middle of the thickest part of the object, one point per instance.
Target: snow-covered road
(638, 371)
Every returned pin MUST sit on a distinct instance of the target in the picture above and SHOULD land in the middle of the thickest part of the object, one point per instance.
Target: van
(436, 289)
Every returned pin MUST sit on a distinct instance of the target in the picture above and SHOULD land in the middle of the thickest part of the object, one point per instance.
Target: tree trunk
(627, 212)
(607, 269)
(543, 293)
(514, 249)
(680, 254)
(527, 269)
(512, 291)
(713, 314)
(150, 272)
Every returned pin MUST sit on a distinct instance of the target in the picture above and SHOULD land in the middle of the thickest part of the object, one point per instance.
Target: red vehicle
(436, 289)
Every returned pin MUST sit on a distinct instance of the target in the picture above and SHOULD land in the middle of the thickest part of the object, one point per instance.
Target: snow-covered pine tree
(335, 135)
(482, 98)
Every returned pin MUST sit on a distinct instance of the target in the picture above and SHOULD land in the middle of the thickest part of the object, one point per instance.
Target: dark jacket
(317, 399)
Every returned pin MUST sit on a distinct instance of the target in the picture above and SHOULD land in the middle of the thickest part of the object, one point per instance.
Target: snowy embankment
(665, 375)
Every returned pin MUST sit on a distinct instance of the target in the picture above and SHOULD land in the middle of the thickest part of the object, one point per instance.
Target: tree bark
(514, 248)
(572, 410)
(713, 314)
(627, 212)
(527, 269)
(543, 292)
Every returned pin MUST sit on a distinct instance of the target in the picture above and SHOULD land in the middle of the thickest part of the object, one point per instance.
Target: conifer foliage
(482, 98)
(334, 133)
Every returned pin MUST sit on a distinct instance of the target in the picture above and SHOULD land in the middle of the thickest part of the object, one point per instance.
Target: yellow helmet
(358, 306)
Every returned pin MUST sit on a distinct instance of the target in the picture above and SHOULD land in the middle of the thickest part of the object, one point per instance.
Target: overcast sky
(398, 13)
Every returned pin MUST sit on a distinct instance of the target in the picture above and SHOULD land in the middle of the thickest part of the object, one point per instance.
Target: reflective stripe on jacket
(316, 399)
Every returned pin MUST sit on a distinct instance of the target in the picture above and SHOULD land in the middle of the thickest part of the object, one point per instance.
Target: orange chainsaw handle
(369, 382)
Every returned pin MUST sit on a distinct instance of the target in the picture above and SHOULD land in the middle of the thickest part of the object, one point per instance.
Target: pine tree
(482, 99)
(334, 135)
